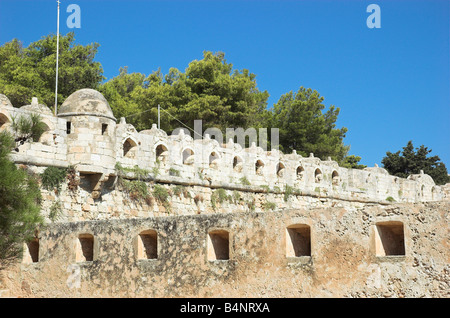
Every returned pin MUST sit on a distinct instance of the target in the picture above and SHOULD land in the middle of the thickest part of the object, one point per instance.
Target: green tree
(220, 96)
(352, 162)
(122, 93)
(411, 161)
(20, 199)
(305, 128)
(136, 96)
(31, 71)
(209, 90)
(27, 127)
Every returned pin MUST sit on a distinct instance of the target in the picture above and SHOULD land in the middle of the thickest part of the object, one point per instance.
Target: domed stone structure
(90, 129)
(88, 102)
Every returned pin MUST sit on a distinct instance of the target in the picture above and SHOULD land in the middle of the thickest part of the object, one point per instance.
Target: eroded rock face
(254, 255)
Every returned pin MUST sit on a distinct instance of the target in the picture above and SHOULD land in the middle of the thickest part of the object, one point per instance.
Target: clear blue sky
(392, 84)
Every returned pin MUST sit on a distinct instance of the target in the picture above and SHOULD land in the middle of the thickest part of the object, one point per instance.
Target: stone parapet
(85, 135)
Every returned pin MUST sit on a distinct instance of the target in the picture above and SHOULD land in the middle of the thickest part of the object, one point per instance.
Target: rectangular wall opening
(85, 248)
(91, 182)
(68, 127)
(389, 239)
(218, 245)
(298, 240)
(31, 252)
(147, 247)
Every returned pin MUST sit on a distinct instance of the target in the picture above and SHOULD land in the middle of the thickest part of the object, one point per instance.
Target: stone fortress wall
(85, 135)
(399, 250)
(329, 231)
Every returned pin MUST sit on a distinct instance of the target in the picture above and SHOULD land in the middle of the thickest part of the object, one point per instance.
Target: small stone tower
(90, 129)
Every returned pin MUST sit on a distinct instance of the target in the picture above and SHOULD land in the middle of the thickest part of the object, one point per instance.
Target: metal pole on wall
(159, 121)
(57, 58)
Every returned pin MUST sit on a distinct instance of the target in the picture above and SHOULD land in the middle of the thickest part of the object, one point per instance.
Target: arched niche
(4, 121)
(300, 172)
(188, 156)
(129, 148)
(280, 169)
(318, 175)
(161, 153)
(259, 166)
(335, 178)
(237, 164)
(213, 160)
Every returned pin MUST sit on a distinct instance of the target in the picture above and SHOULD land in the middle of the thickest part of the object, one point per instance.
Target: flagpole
(57, 58)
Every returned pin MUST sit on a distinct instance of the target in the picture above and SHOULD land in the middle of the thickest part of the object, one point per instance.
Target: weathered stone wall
(183, 198)
(342, 260)
(294, 226)
(85, 135)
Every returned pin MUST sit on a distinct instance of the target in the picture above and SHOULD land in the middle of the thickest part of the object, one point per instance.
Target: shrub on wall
(53, 177)
(55, 211)
(180, 189)
(28, 127)
(174, 172)
(269, 206)
(20, 204)
(244, 181)
(136, 189)
(161, 194)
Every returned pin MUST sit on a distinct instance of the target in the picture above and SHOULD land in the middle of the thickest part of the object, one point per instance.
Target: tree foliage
(352, 162)
(209, 90)
(27, 72)
(305, 128)
(28, 127)
(411, 161)
(20, 199)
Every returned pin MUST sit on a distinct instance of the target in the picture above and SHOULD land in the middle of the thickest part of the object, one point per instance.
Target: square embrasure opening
(85, 248)
(389, 239)
(218, 245)
(147, 247)
(298, 240)
(31, 251)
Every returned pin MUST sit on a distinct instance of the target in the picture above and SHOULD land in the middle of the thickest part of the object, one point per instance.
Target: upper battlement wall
(227, 165)
(86, 135)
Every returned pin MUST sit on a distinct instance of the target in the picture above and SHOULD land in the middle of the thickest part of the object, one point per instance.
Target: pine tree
(20, 199)
(305, 128)
(411, 161)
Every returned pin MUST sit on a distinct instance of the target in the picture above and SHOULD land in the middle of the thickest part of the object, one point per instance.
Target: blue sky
(392, 84)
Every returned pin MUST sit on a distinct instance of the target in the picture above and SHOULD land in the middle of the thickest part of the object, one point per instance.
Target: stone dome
(86, 102)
